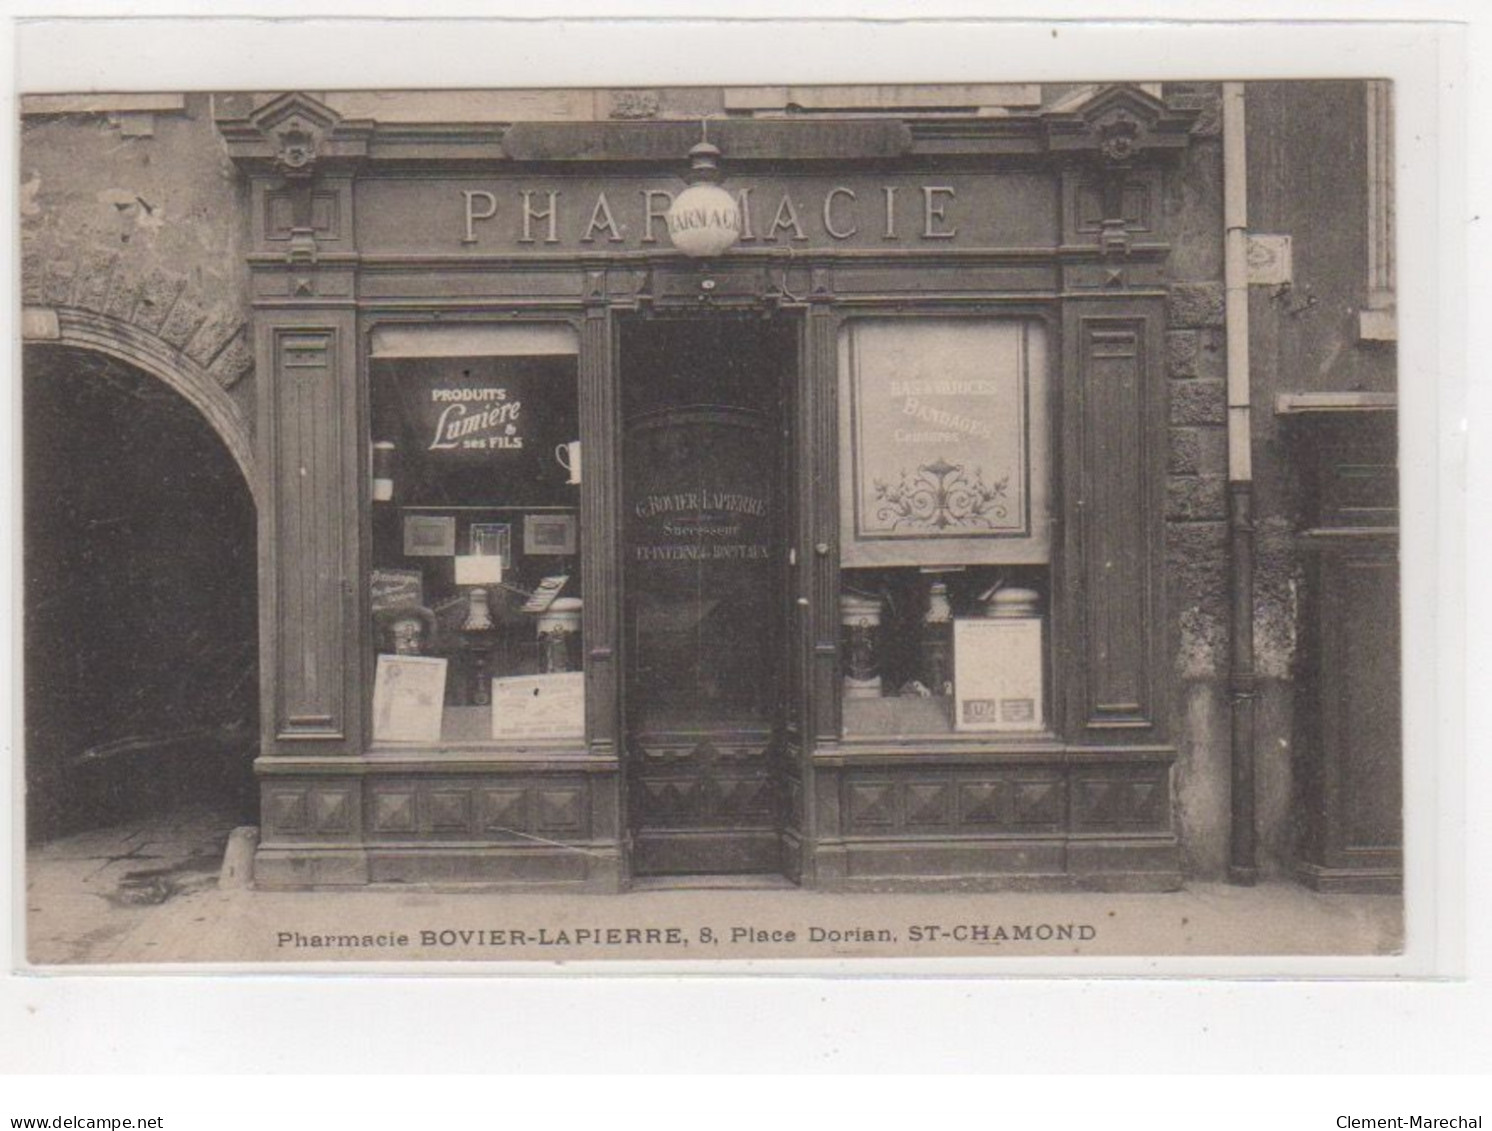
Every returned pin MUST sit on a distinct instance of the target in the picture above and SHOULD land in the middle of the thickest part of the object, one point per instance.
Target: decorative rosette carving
(942, 495)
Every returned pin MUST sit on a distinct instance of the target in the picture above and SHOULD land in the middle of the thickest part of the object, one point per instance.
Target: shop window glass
(475, 592)
(945, 484)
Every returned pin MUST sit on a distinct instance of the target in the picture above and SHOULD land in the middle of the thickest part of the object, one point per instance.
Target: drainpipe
(1242, 682)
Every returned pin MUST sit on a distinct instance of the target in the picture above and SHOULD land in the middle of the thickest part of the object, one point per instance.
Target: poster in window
(539, 706)
(491, 411)
(394, 588)
(408, 698)
(944, 437)
(998, 675)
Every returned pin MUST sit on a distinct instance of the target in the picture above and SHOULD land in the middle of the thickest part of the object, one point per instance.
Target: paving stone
(215, 333)
(1198, 451)
(157, 294)
(185, 319)
(1193, 498)
(1212, 354)
(1181, 352)
(1185, 454)
(92, 289)
(1195, 305)
(61, 274)
(236, 360)
(1199, 402)
(33, 276)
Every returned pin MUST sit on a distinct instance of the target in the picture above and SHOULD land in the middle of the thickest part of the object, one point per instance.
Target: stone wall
(1196, 489)
(1197, 567)
(1306, 180)
(137, 220)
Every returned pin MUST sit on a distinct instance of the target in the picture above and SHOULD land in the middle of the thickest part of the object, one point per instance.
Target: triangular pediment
(294, 109)
(1119, 123)
(293, 133)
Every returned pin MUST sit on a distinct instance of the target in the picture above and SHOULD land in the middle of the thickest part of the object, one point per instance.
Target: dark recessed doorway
(706, 515)
(140, 590)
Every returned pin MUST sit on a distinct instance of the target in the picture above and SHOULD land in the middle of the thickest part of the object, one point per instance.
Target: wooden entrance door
(703, 597)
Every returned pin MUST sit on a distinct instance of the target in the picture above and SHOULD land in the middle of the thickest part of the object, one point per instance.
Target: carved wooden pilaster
(599, 519)
(309, 532)
(819, 546)
(1113, 444)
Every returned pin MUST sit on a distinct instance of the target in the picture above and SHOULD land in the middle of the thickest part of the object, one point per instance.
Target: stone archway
(141, 609)
(179, 372)
(92, 297)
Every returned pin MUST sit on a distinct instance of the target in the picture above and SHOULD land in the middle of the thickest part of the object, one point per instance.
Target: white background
(809, 1024)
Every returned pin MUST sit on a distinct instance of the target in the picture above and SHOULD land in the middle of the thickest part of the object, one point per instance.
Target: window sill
(445, 758)
(1035, 748)
(487, 753)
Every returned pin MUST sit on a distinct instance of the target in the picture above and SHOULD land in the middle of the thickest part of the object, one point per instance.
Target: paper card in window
(393, 588)
(408, 698)
(998, 675)
(943, 433)
(539, 706)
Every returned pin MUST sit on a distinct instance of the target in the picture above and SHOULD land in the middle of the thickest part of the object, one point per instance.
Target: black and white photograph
(986, 541)
(635, 537)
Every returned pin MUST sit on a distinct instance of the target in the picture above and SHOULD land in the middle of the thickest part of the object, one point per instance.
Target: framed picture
(997, 674)
(408, 698)
(429, 536)
(491, 539)
(549, 534)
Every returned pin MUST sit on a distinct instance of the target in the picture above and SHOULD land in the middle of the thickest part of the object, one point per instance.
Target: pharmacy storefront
(777, 499)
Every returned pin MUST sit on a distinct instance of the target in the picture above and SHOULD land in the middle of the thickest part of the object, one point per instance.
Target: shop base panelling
(497, 827)
(1048, 821)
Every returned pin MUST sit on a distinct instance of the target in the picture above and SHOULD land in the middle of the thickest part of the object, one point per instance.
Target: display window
(475, 590)
(945, 488)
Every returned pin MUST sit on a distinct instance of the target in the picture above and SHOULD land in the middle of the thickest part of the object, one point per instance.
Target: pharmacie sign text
(545, 215)
(522, 214)
(538, 214)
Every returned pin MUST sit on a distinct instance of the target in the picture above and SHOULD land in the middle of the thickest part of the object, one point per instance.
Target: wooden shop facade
(591, 553)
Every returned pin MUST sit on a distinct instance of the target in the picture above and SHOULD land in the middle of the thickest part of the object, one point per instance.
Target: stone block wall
(1198, 589)
(137, 220)
(1197, 565)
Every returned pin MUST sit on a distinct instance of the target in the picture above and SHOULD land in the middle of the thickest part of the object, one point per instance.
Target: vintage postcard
(987, 544)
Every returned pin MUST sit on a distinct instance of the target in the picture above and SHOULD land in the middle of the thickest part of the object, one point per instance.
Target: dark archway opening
(140, 601)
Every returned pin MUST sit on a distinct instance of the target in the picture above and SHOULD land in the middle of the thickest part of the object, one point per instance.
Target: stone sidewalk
(148, 893)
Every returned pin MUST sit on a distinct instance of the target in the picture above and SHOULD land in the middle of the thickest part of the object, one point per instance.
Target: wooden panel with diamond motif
(711, 805)
(1026, 801)
(464, 807)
